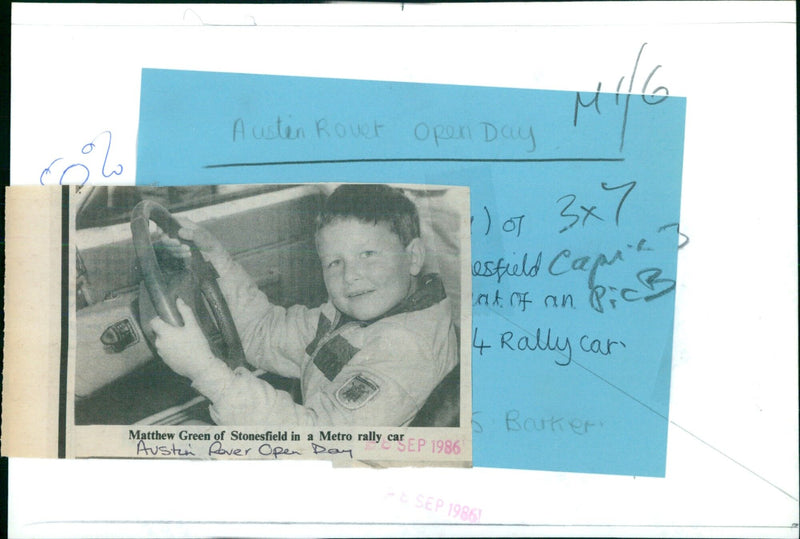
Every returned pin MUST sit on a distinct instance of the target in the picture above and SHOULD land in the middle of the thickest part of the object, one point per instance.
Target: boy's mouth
(351, 295)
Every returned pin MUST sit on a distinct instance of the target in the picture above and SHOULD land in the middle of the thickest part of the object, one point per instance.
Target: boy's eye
(333, 263)
(367, 254)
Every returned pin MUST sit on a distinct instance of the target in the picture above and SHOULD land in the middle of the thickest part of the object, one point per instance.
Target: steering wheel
(196, 285)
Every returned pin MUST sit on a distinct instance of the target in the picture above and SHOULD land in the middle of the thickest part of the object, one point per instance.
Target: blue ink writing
(78, 173)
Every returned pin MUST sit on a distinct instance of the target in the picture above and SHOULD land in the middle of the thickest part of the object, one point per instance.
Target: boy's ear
(417, 251)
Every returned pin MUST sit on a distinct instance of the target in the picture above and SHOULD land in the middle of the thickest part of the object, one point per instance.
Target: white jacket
(352, 373)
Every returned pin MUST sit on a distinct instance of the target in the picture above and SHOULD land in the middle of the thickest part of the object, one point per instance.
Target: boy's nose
(352, 272)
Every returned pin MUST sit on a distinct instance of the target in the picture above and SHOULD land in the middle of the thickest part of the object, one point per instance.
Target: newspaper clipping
(306, 321)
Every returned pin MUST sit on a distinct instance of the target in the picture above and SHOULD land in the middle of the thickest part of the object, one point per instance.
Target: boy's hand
(185, 349)
(191, 231)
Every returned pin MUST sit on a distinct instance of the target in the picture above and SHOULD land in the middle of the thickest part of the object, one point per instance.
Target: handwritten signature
(80, 171)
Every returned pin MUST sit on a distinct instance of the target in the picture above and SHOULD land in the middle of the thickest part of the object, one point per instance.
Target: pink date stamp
(435, 504)
(417, 445)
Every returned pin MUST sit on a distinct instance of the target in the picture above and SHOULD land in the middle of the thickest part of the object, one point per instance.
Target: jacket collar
(430, 291)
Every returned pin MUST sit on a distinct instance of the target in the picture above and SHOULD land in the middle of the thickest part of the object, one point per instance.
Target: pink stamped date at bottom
(434, 504)
(417, 445)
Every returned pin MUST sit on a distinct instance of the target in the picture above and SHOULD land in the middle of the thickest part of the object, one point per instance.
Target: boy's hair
(372, 203)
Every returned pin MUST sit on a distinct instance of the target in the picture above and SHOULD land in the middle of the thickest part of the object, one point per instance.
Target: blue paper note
(575, 202)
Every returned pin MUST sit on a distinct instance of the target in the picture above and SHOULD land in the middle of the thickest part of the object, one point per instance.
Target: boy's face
(367, 270)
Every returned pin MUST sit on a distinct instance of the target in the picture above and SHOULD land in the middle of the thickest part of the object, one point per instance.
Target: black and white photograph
(294, 315)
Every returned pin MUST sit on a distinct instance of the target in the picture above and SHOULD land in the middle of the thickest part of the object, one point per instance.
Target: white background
(732, 466)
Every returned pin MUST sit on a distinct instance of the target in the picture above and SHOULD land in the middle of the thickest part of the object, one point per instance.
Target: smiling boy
(369, 356)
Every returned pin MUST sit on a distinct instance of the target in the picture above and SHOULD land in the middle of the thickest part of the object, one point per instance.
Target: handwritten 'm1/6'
(656, 97)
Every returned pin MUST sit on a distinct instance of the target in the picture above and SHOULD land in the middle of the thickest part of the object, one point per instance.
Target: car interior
(118, 378)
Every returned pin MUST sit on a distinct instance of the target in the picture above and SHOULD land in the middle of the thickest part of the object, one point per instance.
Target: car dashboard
(118, 378)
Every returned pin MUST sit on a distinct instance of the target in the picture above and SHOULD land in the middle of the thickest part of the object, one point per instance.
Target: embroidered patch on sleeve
(356, 392)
